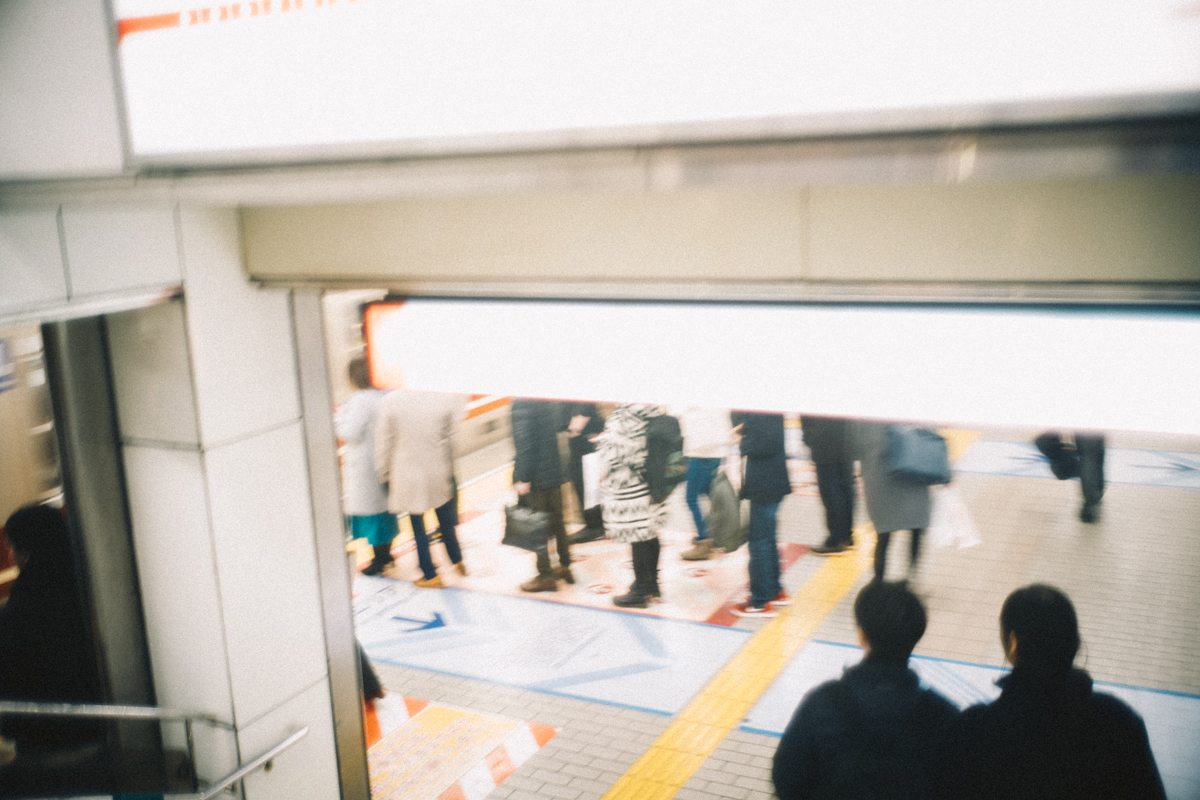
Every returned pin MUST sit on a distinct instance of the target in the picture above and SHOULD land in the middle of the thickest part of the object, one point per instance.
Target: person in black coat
(583, 422)
(538, 479)
(765, 484)
(874, 733)
(46, 656)
(829, 441)
(1049, 735)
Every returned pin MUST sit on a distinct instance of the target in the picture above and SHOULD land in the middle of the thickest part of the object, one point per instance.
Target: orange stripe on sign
(414, 706)
(150, 23)
(499, 764)
(542, 733)
(484, 408)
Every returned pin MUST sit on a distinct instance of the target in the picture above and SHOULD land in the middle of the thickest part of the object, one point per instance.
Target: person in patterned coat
(629, 514)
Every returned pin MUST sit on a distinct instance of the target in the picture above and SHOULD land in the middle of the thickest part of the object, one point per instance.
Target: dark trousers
(447, 517)
(550, 501)
(881, 548)
(1091, 466)
(835, 482)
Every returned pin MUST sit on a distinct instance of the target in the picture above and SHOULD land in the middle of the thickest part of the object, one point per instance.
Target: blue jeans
(764, 553)
(700, 472)
(447, 517)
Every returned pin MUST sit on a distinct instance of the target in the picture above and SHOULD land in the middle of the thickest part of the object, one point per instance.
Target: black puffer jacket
(873, 734)
(535, 427)
(1053, 740)
(766, 457)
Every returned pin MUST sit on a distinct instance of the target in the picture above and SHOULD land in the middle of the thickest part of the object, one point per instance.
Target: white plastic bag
(593, 468)
(950, 521)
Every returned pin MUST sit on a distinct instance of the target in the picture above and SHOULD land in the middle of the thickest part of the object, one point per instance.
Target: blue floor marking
(1177, 470)
(612, 657)
(1172, 719)
(604, 674)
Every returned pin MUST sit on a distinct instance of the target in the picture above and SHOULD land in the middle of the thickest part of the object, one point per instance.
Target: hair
(1044, 622)
(891, 617)
(359, 375)
(39, 532)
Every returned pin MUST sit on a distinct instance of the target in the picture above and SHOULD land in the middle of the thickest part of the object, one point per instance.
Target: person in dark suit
(538, 479)
(830, 442)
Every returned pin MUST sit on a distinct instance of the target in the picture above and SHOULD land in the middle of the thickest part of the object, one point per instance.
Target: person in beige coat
(414, 456)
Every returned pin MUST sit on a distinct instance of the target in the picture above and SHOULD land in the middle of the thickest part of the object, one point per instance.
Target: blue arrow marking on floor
(424, 625)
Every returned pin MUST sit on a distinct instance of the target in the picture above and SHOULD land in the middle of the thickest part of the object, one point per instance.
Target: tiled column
(220, 496)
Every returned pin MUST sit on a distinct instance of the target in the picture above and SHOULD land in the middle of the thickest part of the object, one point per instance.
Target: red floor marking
(414, 706)
(371, 723)
(789, 553)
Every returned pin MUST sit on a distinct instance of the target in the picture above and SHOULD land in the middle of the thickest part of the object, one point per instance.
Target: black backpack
(665, 464)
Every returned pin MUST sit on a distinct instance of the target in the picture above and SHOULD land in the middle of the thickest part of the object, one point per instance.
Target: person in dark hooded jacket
(874, 733)
(1049, 735)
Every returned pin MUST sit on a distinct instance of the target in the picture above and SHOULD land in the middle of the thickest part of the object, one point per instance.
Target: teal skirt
(377, 528)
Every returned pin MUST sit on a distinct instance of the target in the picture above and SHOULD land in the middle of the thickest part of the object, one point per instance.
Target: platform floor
(665, 703)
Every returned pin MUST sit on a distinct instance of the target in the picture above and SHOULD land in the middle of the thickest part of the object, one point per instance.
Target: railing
(165, 715)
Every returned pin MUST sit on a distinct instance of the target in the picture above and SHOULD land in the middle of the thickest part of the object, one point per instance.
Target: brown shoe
(699, 552)
(429, 583)
(564, 574)
(540, 583)
(462, 568)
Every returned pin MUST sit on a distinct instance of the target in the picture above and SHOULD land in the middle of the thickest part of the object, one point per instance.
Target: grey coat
(892, 504)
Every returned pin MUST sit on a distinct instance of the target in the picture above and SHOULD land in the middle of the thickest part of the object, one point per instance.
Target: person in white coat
(364, 498)
(414, 455)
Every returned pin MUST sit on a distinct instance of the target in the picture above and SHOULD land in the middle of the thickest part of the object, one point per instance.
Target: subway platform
(494, 693)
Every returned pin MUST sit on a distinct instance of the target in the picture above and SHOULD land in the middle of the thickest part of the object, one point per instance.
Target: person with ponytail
(1049, 735)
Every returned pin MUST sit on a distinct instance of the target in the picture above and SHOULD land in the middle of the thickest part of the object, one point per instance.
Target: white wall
(1116, 228)
(218, 485)
(66, 259)
(58, 102)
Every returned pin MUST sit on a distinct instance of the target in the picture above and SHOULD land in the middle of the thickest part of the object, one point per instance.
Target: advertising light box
(1068, 368)
(267, 79)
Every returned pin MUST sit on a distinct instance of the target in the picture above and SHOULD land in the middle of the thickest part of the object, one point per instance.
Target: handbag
(526, 528)
(917, 455)
(725, 514)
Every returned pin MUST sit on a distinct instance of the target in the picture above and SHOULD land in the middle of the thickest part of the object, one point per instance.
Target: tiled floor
(1134, 577)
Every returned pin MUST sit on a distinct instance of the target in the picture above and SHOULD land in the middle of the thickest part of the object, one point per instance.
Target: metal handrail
(162, 714)
(107, 712)
(263, 761)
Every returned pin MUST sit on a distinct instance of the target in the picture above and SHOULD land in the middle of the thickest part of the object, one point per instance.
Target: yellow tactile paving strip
(684, 746)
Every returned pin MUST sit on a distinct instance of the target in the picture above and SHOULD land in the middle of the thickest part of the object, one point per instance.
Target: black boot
(383, 557)
(637, 596)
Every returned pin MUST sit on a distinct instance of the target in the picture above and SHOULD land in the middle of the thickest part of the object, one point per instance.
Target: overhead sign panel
(288, 78)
